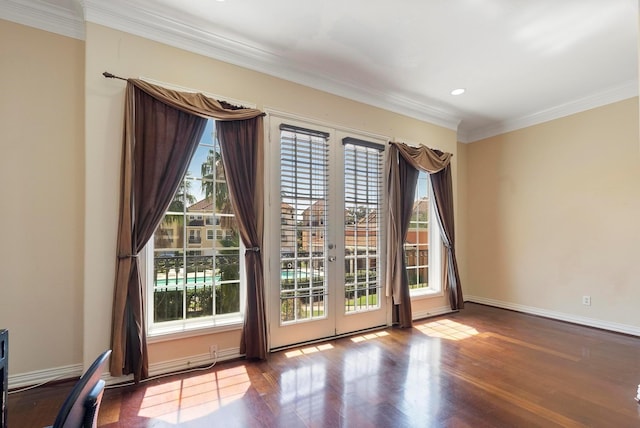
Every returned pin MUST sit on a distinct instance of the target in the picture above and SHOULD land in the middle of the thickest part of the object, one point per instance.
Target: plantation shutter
(363, 181)
(304, 178)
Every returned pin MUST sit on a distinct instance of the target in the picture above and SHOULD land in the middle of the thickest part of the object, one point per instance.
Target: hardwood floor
(481, 367)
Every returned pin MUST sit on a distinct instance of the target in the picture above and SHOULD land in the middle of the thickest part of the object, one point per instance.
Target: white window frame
(435, 254)
(169, 330)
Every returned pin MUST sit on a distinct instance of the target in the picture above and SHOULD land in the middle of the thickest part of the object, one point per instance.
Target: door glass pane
(362, 196)
(303, 225)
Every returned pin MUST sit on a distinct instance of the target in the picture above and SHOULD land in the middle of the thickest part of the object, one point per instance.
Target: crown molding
(617, 93)
(173, 32)
(43, 16)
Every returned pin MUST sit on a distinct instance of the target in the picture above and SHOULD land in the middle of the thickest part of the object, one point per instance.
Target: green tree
(227, 263)
(213, 181)
(214, 185)
(168, 235)
(183, 195)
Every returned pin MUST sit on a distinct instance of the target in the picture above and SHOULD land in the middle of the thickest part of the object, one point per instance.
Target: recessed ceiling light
(458, 91)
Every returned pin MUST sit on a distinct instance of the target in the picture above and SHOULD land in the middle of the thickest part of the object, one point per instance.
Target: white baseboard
(21, 380)
(561, 316)
(179, 364)
(74, 371)
(192, 361)
(432, 312)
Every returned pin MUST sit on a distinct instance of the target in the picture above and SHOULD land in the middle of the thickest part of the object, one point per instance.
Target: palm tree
(214, 185)
(183, 196)
(213, 182)
(167, 234)
(210, 184)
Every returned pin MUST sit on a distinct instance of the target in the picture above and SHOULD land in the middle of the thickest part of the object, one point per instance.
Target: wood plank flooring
(481, 367)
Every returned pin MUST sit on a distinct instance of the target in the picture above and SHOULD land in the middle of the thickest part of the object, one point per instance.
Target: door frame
(329, 327)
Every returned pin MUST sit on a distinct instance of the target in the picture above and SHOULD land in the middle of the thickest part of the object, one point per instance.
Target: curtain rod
(225, 104)
(112, 76)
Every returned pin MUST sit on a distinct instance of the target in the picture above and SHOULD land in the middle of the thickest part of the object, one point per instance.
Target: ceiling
(521, 61)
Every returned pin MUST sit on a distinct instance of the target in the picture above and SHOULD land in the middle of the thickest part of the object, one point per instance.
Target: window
(195, 283)
(422, 245)
(194, 237)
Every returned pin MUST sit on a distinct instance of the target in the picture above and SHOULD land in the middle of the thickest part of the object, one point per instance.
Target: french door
(325, 227)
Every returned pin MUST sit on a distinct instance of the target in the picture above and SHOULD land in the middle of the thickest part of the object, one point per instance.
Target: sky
(199, 157)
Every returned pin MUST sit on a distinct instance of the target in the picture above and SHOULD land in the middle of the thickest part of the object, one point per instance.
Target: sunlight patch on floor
(308, 350)
(192, 398)
(369, 336)
(447, 329)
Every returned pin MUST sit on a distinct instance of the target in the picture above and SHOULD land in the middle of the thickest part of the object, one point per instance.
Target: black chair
(4, 376)
(80, 409)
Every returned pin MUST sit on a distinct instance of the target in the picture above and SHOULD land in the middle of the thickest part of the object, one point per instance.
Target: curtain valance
(423, 158)
(196, 103)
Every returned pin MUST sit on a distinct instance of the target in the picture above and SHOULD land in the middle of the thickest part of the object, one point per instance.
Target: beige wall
(553, 214)
(462, 212)
(41, 171)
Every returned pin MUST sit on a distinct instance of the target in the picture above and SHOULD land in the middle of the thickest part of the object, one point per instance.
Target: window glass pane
(199, 300)
(167, 303)
(228, 298)
(169, 236)
(168, 291)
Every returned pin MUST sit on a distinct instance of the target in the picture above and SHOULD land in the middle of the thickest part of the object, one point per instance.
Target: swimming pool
(173, 280)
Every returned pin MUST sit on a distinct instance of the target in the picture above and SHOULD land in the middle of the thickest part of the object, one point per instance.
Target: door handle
(332, 258)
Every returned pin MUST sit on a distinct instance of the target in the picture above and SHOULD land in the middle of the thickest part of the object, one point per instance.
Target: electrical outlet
(213, 351)
(586, 300)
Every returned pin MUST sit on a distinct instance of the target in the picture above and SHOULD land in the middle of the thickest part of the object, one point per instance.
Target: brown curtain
(161, 131)
(242, 155)
(442, 188)
(158, 143)
(402, 180)
(437, 164)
